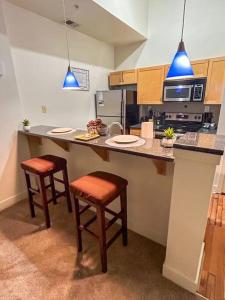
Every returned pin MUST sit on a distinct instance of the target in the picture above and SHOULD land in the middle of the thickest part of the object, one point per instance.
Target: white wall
(39, 53)
(203, 35)
(11, 187)
(133, 12)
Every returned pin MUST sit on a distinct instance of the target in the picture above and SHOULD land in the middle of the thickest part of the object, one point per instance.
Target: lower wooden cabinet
(150, 85)
(135, 131)
(215, 81)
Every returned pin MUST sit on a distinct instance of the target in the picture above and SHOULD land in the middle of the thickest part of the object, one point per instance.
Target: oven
(189, 90)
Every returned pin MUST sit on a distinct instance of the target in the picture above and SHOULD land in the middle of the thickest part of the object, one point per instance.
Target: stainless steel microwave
(189, 90)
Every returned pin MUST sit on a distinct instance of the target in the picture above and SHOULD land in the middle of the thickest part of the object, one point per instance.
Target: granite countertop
(201, 142)
(151, 149)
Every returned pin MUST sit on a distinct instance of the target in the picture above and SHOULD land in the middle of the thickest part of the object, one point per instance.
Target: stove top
(181, 122)
(179, 128)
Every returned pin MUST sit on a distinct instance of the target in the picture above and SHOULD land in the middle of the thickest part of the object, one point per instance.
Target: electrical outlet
(44, 109)
(206, 109)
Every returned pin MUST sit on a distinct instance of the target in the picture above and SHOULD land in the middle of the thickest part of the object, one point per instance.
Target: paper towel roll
(147, 130)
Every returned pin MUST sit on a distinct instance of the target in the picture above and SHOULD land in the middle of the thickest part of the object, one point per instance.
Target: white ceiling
(93, 20)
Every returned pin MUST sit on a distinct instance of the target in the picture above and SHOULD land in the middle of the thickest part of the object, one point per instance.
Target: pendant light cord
(182, 32)
(66, 30)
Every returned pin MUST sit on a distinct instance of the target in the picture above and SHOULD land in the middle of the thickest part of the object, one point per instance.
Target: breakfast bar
(168, 204)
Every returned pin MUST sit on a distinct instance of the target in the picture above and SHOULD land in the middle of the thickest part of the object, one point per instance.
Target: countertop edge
(198, 149)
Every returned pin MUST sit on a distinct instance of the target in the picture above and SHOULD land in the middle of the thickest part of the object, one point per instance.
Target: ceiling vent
(71, 23)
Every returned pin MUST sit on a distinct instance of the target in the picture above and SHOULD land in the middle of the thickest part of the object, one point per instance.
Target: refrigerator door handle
(123, 111)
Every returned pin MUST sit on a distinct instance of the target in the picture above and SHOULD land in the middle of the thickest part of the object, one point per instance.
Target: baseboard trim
(180, 279)
(5, 203)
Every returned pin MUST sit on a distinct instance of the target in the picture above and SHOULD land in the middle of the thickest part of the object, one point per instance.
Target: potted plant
(26, 125)
(169, 138)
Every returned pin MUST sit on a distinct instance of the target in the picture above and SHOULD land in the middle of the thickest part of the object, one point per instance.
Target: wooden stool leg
(102, 237)
(123, 202)
(30, 195)
(67, 190)
(53, 188)
(44, 200)
(77, 215)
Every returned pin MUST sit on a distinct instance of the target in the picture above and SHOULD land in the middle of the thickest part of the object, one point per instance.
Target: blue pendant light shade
(181, 65)
(70, 82)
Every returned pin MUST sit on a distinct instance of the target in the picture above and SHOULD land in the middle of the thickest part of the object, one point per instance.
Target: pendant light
(181, 66)
(70, 81)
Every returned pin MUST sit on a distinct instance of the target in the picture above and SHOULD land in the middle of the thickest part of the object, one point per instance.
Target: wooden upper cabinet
(200, 67)
(129, 76)
(166, 70)
(215, 81)
(115, 78)
(150, 85)
(123, 77)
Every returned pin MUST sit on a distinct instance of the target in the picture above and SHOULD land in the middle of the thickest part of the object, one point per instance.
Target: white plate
(61, 130)
(125, 139)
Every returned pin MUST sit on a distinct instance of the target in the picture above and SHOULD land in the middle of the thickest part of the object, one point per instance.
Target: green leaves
(26, 122)
(169, 133)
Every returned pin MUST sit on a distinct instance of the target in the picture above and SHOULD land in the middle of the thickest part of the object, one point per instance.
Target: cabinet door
(115, 78)
(200, 67)
(135, 131)
(150, 85)
(129, 77)
(166, 70)
(215, 81)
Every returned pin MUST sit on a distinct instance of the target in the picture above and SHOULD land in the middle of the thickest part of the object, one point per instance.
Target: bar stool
(97, 190)
(45, 167)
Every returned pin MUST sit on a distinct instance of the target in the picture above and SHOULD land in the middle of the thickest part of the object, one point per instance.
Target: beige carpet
(36, 263)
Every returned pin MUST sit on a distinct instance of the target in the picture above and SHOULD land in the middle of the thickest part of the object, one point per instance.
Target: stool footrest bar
(90, 221)
(60, 194)
(37, 204)
(58, 180)
(109, 243)
(84, 209)
(118, 215)
(88, 230)
(111, 222)
(34, 191)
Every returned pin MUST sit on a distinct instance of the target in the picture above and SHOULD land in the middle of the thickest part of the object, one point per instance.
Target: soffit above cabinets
(92, 19)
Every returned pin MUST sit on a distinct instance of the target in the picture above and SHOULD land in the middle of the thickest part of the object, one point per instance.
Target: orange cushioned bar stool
(98, 189)
(45, 167)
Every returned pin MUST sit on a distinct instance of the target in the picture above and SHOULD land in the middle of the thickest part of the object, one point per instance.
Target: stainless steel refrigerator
(117, 106)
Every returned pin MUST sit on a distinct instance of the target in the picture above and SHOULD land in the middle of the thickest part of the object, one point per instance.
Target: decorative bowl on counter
(168, 143)
(97, 127)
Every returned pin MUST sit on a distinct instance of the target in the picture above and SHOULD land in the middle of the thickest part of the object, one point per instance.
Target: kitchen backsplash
(182, 107)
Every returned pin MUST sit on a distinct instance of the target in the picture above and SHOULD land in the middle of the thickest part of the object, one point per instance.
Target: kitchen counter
(151, 149)
(201, 142)
(163, 196)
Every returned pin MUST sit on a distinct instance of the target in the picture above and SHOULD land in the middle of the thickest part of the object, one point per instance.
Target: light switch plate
(44, 109)
(206, 109)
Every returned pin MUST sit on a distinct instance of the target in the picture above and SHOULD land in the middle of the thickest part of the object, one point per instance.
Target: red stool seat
(45, 167)
(43, 164)
(99, 187)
